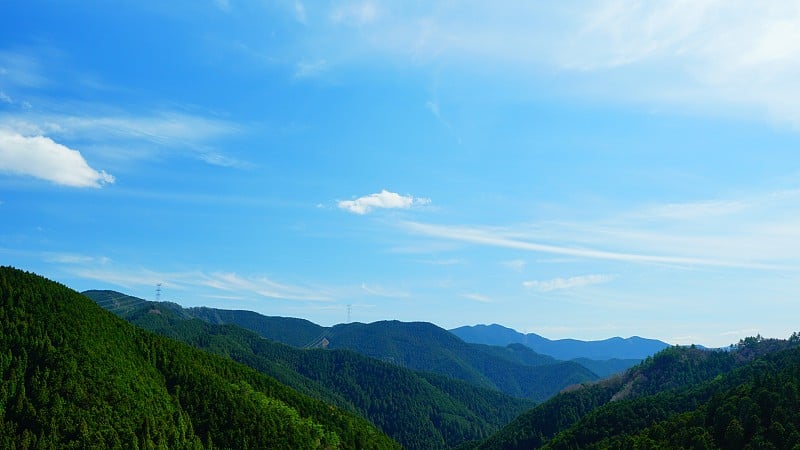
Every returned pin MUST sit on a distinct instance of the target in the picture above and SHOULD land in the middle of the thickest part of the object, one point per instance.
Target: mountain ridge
(76, 376)
(634, 347)
(517, 370)
(419, 410)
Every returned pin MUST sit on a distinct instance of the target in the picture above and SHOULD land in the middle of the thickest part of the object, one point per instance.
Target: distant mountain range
(633, 348)
(683, 397)
(421, 410)
(74, 376)
(514, 370)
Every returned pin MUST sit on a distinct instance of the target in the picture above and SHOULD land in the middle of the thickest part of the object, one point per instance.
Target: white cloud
(695, 210)
(73, 258)
(566, 283)
(722, 57)
(356, 13)
(478, 298)
(43, 158)
(500, 238)
(130, 136)
(383, 199)
(260, 286)
(517, 265)
(231, 283)
(756, 231)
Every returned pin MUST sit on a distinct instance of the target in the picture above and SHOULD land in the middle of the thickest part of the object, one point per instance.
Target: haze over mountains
(613, 348)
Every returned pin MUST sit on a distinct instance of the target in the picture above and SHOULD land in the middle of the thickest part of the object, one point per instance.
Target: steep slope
(424, 346)
(289, 330)
(76, 376)
(676, 387)
(564, 349)
(515, 370)
(418, 410)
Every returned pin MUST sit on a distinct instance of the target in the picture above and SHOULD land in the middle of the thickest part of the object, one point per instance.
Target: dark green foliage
(606, 368)
(680, 398)
(514, 370)
(419, 410)
(289, 330)
(75, 376)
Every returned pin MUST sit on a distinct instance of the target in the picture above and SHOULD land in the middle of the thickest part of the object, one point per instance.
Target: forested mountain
(76, 376)
(564, 349)
(419, 410)
(680, 398)
(514, 369)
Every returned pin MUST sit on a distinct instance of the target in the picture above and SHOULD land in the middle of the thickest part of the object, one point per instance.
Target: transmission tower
(349, 308)
(158, 292)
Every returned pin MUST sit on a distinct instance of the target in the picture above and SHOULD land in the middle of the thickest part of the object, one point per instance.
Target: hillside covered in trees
(418, 409)
(747, 397)
(514, 369)
(76, 376)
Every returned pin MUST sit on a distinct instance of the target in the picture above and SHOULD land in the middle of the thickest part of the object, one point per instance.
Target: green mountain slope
(424, 346)
(515, 370)
(418, 410)
(76, 376)
(672, 400)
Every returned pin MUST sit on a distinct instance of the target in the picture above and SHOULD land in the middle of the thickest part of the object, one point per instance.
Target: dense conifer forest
(76, 376)
(746, 397)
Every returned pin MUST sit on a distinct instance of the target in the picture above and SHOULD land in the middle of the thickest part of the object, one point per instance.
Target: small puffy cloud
(383, 199)
(566, 283)
(41, 157)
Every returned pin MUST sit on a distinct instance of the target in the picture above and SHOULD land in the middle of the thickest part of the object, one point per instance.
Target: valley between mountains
(104, 369)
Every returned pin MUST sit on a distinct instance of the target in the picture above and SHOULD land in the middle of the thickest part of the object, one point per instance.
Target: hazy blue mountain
(633, 348)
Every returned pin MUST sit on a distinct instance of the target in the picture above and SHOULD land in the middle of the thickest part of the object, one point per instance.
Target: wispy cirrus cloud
(133, 136)
(557, 284)
(382, 291)
(757, 231)
(478, 298)
(381, 200)
(43, 158)
(207, 283)
(723, 57)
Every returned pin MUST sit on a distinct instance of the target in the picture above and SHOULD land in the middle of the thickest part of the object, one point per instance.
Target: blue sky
(585, 169)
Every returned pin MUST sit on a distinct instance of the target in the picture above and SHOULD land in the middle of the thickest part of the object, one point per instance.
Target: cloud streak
(381, 200)
(43, 158)
(504, 239)
(226, 283)
(557, 284)
(712, 55)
